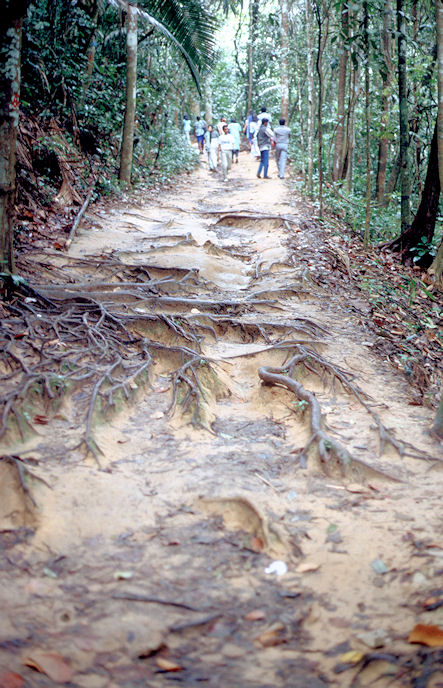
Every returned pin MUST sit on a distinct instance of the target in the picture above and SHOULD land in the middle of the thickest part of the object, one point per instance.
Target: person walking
(264, 115)
(247, 127)
(254, 126)
(211, 146)
(281, 136)
(199, 129)
(226, 143)
(187, 128)
(221, 124)
(234, 129)
(264, 139)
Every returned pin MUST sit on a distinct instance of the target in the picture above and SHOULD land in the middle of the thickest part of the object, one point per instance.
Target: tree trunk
(403, 111)
(348, 162)
(424, 222)
(300, 117)
(131, 88)
(337, 168)
(208, 100)
(437, 265)
(439, 16)
(322, 35)
(253, 20)
(90, 53)
(284, 45)
(310, 75)
(386, 94)
(10, 78)
(437, 428)
(392, 182)
(367, 123)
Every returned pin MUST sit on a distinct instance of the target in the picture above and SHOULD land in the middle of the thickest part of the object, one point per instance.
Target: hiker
(221, 124)
(234, 129)
(264, 139)
(211, 145)
(254, 126)
(187, 128)
(199, 129)
(281, 136)
(264, 115)
(226, 143)
(247, 127)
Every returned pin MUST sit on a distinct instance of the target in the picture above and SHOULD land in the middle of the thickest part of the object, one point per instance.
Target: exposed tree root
(328, 448)
(23, 473)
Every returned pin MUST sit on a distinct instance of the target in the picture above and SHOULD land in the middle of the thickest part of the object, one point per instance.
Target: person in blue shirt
(200, 128)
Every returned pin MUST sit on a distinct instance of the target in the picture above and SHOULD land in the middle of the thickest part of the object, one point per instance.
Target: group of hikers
(222, 141)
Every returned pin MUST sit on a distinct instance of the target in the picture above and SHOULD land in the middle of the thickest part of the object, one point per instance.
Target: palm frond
(186, 24)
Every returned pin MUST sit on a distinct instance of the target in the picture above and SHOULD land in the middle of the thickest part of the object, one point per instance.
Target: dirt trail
(153, 570)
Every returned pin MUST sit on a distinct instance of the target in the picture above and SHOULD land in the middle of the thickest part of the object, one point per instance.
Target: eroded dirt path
(153, 570)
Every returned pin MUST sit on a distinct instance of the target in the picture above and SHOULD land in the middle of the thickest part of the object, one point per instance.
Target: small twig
(137, 597)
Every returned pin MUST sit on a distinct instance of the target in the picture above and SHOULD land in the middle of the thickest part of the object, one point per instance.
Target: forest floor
(221, 552)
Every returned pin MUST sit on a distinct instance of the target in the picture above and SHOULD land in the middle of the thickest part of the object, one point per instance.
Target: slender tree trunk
(385, 97)
(366, 239)
(392, 182)
(439, 15)
(322, 35)
(337, 168)
(10, 79)
(310, 75)
(414, 125)
(437, 265)
(208, 99)
(403, 110)
(300, 117)
(284, 45)
(90, 53)
(253, 19)
(437, 428)
(131, 88)
(354, 90)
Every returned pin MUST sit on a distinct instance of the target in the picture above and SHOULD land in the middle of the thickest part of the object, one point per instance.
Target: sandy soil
(153, 570)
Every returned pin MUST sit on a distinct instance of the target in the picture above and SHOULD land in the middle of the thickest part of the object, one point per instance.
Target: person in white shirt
(264, 115)
(211, 145)
(281, 137)
(227, 144)
(265, 138)
(254, 126)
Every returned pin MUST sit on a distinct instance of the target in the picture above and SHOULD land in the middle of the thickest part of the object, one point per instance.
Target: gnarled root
(327, 447)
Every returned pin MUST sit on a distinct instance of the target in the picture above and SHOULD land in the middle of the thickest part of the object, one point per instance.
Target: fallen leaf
(11, 680)
(41, 420)
(167, 664)
(255, 615)
(351, 657)
(50, 663)
(432, 636)
(257, 544)
(307, 566)
(273, 636)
